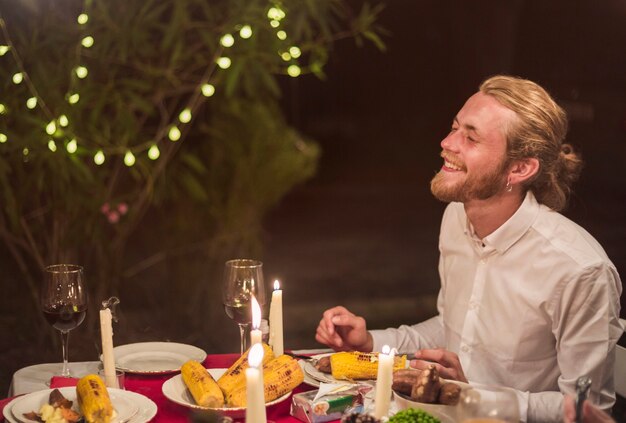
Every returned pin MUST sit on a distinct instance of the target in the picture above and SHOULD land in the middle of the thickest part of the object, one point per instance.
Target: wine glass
(64, 301)
(488, 404)
(242, 279)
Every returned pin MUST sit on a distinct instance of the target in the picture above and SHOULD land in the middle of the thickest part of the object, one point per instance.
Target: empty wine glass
(242, 279)
(488, 404)
(64, 302)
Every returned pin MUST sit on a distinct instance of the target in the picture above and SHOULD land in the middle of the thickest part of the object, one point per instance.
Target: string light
(25, 151)
(52, 146)
(63, 121)
(295, 52)
(82, 19)
(51, 128)
(31, 103)
(99, 158)
(18, 78)
(294, 70)
(174, 133)
(3, 138)
(282, 35)
(274, 23)
(3, 109)
(227, 40)
(72, 146)
(185, 116)
(81, 72)
(276, 13)
(87, 41)
(223, 62)
(153, 152)
(73, 98)
(129, 158)
(245, 32)
(286, 56)
(207, 90)
(4, 49)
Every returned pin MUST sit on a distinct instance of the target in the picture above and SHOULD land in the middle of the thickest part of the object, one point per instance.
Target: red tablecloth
(169, 412)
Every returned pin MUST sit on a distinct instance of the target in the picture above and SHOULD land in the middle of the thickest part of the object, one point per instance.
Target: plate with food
(352, 366)
(121, 406)
(425, 390)
(224, 390)
(155, 357)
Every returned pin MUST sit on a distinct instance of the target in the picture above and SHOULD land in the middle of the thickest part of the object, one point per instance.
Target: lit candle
(276, 320)
(256, 336)
(108, 360)
(255, 392)
(383, 382)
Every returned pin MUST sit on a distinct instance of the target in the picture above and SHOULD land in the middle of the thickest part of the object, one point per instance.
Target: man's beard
(474, 187)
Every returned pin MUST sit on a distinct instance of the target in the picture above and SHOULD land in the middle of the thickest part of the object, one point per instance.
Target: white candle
(108, 360)
(384, 382)
(256, 336)
(255, 392)
(276, 320)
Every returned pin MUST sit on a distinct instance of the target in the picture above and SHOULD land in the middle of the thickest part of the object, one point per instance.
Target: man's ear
(523, 170)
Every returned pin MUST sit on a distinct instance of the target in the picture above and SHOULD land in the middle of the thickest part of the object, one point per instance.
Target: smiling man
(528, 299)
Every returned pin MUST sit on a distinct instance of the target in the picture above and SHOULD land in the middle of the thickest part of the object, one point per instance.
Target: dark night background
(363, 232)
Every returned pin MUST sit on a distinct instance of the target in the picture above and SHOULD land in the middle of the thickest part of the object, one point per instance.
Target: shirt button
(473, 305)
(465, 348)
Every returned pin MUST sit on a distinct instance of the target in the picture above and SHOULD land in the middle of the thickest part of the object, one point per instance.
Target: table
(30, 379)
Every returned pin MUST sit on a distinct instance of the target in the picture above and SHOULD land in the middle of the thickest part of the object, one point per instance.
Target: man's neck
(488, 215)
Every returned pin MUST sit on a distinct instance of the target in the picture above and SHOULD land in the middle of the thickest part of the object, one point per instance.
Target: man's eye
(453, 129)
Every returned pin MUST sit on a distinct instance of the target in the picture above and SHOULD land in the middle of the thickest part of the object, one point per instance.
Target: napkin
(332, 388)
(62, 382)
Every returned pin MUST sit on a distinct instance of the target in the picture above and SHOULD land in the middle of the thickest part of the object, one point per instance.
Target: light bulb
(295, 51)
(52, 146)
(294, 70)
(51, 128)
(4, 49)
(185, 115)
(82, 18)
(73, 98)
(245, 32)
(208, 90)
(72, 146)
(25, 151)
(286, 56)
(3, 138)
(174, 133)
(81, 72)
(227, 40)
(63, 121)
(18, 78)
(99, 158)
(31, 103)
(3, 109)
(129, 158)
(87, 41)
(282, 35)
(153, 152)
(274, 23)
(223, 62)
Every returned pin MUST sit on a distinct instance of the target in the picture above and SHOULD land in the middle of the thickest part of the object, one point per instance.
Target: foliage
(234, 160)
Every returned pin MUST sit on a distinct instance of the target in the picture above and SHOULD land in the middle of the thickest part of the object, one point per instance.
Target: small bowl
(445, 413)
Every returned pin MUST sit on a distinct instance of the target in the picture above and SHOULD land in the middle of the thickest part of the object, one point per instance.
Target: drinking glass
(242, 279)
(488, 404)
(64, 302)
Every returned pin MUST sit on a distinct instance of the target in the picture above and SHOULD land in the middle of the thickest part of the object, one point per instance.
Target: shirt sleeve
(427, 334)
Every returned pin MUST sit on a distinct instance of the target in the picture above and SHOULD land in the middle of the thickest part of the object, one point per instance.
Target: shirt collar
(513, 229)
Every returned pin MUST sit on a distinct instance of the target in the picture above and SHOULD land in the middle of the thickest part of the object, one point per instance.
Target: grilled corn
(355, 365)
(201, 384)
(93, 399)
(235, 376)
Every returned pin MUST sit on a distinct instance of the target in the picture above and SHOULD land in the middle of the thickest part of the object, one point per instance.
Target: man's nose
(450, 142)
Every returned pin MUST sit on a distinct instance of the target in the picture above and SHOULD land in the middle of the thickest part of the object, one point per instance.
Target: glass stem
(65, 334)
(242, 332)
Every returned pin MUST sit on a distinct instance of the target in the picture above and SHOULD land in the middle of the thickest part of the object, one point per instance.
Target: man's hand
(591, 414)
(342, 330)
(447, 363)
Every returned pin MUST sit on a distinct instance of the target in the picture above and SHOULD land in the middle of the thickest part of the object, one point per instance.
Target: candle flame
(256, 313)
(386, 349)
(276, 285)
(255, 356)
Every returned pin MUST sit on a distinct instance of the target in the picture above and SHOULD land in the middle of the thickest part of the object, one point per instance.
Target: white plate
(175, 390)
(126, 404)
(314, 374)
(445, 413)
(308, 379)
(155, 357)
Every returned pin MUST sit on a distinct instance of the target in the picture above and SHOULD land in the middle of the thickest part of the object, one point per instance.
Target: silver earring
(509, 187)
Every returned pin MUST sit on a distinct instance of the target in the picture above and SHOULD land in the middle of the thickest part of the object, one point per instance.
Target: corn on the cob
(93, 399)
(357, 365)
(201, 384)
(235, 376)
(280, 376)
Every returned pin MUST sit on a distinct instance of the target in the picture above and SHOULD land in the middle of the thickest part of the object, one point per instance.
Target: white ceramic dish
(175, 390)
(155, 357)
(445, 413)
(130, 407)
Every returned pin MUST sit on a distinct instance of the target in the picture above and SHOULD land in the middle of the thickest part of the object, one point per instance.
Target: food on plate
(93, 399)
(235, 376)
(356, 365)
(425, 386)
(58, 409)
(201, 384)
(359, 418)
(280, 376)
(413, 415)
(323, 364)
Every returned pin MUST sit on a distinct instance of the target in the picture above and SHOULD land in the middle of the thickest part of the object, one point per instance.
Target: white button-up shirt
(532, 306)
